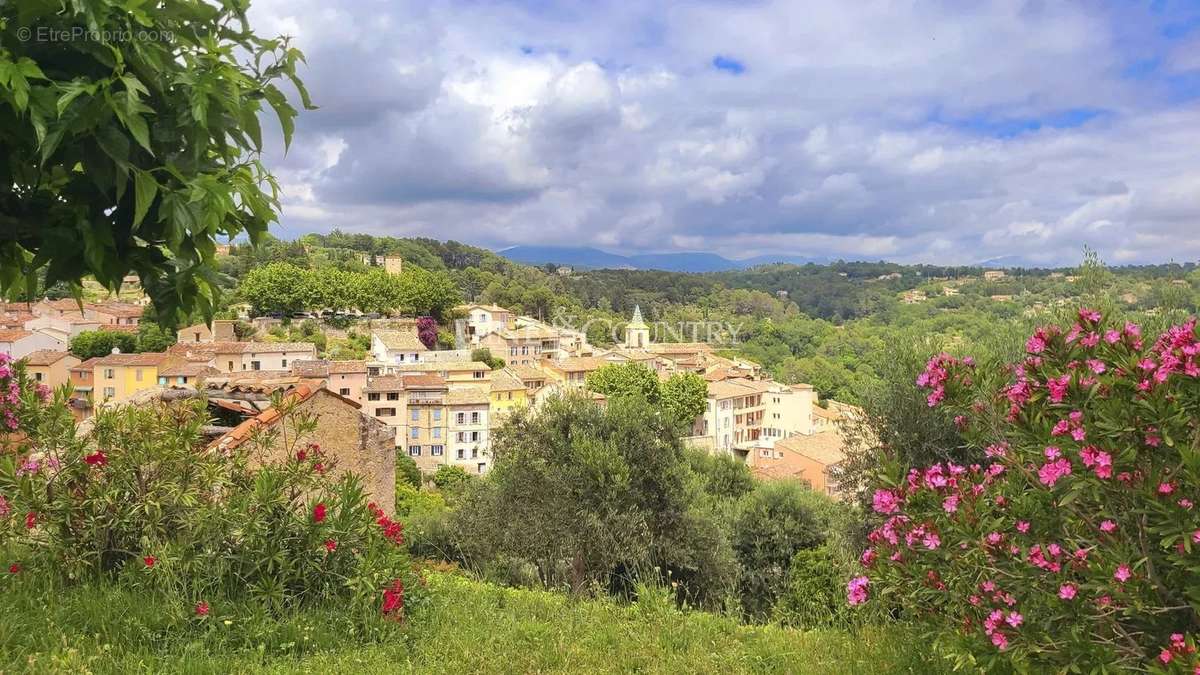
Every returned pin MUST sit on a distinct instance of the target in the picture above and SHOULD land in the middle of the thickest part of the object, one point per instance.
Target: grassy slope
(466, 626)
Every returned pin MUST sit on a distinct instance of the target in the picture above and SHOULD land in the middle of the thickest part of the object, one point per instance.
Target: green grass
(465, 626)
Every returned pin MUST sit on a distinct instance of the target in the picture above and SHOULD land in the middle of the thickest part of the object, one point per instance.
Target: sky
(940, 131)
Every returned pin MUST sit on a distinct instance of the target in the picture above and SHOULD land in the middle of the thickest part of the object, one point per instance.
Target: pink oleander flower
(1052, 452)
(999, 640)
(1185, 503)
(1112, 336)
(1122, 574)
(1051, 472)
(1067, 591)
(1196, 537)
(885, 501)
(1061, 428)
(1023, 526)
(1089, 315)
(931, 540)
(1108, 526)
(1166, 488)
(856, 590)
(1097, 366)
(1165, 656)
(1014, 619)
(950, 504)
(868, 557)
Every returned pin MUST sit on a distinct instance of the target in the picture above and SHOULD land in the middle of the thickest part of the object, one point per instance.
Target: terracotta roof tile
(400, 340)
(14, 335)
(45, 357)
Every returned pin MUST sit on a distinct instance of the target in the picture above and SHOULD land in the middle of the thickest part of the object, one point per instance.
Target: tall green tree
(135, 149)
(617, 380)
(91, 343)
(684, 396)
(277, 287)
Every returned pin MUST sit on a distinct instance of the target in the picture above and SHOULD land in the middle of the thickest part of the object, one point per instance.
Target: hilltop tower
(637, 333)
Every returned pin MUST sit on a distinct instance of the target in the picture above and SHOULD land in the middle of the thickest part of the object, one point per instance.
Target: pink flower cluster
(10, 394)
(1176, 350)
(937, 373)
(856, 590)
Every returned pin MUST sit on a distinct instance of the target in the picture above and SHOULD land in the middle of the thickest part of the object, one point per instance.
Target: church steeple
(637, 333)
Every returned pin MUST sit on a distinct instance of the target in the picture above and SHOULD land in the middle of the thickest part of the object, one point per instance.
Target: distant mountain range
(584, 257)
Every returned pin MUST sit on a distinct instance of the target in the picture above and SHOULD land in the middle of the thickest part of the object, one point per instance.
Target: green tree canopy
(122, 155)
(683, 396)
(91, 343)
(625, 379)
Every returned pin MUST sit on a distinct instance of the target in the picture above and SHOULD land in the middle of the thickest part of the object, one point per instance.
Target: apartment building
(386, 401)
(811, 458)
(426, 430)
(468, 429)
(788, 411)
(119, 376)
(734, 415)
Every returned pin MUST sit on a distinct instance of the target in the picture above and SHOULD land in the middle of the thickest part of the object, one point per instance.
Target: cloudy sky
(906, 130)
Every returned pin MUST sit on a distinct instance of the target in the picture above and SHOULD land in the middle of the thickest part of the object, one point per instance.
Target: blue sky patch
(728, 64)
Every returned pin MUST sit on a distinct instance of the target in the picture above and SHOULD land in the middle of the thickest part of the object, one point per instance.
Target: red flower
(97, 458)
(30, 520)
(319, 467)
(319, 512)
(201, 608)
(301, 455)
(149, 560)
(330, 545)
(393, 598)
(14, 568)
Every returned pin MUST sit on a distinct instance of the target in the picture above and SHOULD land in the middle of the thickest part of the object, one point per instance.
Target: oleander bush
(140, 499)
(1076, 544)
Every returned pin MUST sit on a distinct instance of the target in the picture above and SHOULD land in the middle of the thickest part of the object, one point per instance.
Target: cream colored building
(51, 368)
(396, 346)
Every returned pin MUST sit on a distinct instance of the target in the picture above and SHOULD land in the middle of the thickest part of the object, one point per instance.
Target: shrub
(141, 499)
(407, 471)
(1073, 546)
(773, 523)
(451, 479)
(813, 596)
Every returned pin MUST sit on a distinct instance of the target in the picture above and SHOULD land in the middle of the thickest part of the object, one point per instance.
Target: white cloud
(856, 129)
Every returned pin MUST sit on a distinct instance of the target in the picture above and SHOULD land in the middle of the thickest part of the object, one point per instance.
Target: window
(479, 374)
(344, 391)
(475, 418)
(385, 412)
(414, 450)
(414, 433)
(510, 395)
(474, 453)
(764, 453)
(393, 396)
(284, 363)
(474, 436)
(231, 366)
(436, 450)
(374, 396)
(109, 374)
(481, 467)
(462, 436)
(437, 432)
(109, 392)
(512, 351)
(416, 414)
(37, 377)
(255, 365)
(437, 414)
(460, 418)
(461, 455)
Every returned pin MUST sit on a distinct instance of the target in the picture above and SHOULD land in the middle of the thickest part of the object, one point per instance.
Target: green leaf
(285, 112)
(27, 67)
(144, 190)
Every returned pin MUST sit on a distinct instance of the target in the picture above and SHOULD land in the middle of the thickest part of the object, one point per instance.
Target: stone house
(355, 442)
